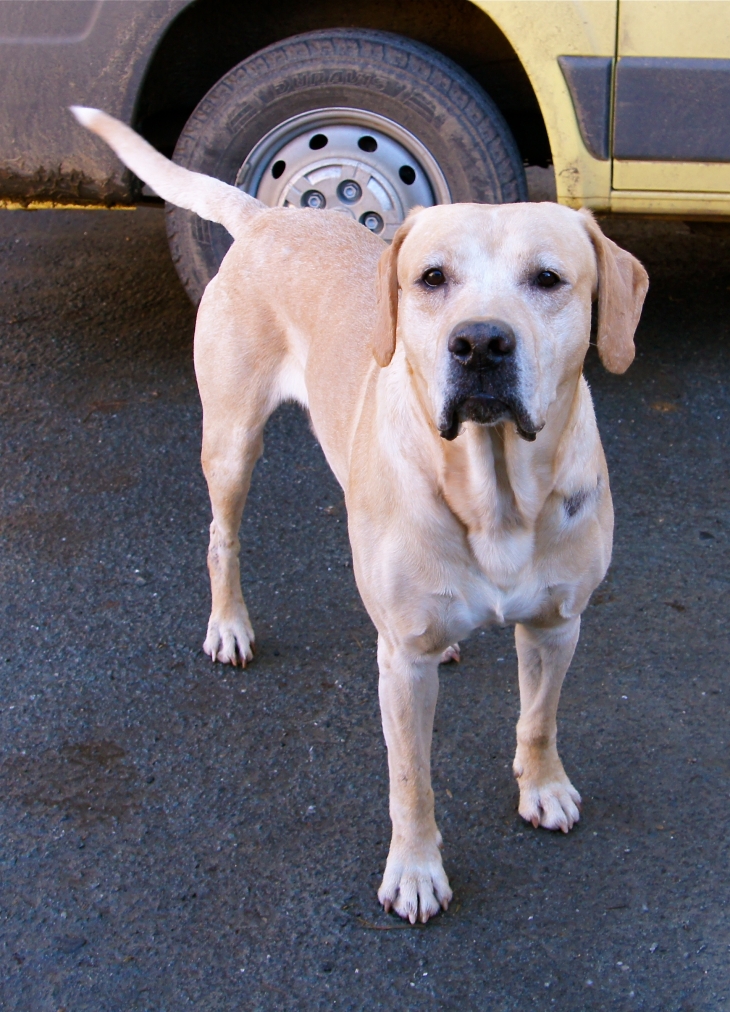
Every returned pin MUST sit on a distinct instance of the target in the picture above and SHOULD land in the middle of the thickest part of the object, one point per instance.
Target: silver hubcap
(347, 160)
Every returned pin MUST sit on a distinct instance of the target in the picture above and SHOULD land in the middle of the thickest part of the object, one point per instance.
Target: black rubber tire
(376, 71)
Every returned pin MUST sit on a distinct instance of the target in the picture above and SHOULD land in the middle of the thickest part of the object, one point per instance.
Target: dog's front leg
(414, 883)
(547, 797)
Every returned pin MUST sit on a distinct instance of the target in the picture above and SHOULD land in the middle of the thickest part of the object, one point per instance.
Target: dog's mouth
(486, 410)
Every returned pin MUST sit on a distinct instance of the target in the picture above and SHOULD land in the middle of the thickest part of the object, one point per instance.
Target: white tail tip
(84, 114)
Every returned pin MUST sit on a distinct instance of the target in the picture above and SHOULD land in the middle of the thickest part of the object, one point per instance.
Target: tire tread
(429, 87)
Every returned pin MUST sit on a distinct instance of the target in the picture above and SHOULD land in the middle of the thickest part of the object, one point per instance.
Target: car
(371, 108)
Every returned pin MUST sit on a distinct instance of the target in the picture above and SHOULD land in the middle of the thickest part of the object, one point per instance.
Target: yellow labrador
(443, 376)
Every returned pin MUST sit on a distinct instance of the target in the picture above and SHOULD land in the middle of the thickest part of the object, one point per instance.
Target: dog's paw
(230, 640)
(547, 797)
(415, 885)
(452, 653)
(552, 806)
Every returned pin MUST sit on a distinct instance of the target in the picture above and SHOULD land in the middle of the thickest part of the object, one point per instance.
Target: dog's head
(492, 307)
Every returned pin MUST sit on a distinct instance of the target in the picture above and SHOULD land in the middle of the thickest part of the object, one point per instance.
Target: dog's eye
(433, 277)
(547, 279)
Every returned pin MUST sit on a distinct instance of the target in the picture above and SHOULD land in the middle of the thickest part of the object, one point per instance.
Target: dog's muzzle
(483, 379)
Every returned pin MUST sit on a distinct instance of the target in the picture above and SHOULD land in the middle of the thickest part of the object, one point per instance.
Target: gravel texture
(180, 835)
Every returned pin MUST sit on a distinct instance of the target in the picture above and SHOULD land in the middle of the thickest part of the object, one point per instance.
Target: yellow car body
(665, 31)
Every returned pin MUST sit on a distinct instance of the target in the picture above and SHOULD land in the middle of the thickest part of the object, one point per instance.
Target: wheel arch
(209, 37)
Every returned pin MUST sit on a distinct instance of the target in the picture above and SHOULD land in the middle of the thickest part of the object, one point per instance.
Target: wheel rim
(347, 160)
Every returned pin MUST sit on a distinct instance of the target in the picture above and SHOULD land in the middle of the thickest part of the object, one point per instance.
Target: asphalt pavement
(177, 835)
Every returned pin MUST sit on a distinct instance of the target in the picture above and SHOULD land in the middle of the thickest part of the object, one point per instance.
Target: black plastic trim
(589, 81)
(675, 110)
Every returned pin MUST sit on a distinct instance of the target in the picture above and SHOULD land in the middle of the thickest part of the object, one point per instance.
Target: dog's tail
(210, 198)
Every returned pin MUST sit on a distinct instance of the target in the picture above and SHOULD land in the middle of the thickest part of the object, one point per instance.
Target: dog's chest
(506, 583)
(499, 506)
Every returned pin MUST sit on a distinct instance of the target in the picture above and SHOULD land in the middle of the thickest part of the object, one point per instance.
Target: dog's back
(303, 341)
(327, 375)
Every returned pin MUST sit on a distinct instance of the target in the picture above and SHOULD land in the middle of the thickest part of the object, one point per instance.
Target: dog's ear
(386, 322)
(622, 287)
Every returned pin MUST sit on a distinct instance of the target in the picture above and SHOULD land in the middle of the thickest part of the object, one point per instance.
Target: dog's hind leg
(239, 376)
(228, 461)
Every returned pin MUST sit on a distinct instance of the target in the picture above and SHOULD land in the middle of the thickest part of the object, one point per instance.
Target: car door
(671, 119)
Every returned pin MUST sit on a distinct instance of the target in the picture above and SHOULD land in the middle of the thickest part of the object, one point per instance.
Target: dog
(443, 375)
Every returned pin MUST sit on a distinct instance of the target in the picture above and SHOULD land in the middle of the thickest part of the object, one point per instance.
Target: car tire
(420, 108)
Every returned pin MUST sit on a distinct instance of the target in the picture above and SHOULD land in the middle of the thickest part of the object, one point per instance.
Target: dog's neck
(493, 480)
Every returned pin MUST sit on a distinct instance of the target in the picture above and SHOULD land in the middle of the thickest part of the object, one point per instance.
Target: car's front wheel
(363, 122)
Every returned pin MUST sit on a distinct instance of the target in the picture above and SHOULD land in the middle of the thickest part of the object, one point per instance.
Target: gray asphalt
(178, 835)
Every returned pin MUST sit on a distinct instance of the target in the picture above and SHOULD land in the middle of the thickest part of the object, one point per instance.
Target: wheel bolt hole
(349, 191)
(277, 169)
(372, 221)
(367, 144)
(317, 142)
(407, 174)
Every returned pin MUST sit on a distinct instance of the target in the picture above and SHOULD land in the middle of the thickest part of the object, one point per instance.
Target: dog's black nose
(482, 344)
